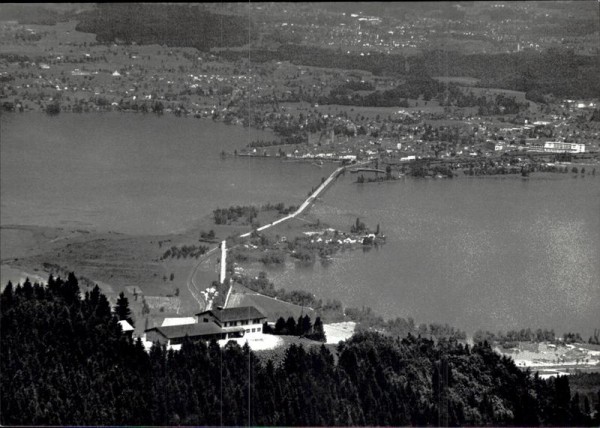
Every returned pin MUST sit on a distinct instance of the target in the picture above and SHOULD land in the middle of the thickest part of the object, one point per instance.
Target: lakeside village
(417, 124)
(530, 147)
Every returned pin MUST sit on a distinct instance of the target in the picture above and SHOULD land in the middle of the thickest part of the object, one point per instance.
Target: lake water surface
(491, 253)
(135, 173)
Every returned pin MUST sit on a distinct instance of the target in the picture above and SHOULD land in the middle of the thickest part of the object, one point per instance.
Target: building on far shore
(558, 147)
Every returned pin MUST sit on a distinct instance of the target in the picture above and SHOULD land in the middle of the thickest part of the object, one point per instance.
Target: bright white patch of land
(258, 342)
(339, 331)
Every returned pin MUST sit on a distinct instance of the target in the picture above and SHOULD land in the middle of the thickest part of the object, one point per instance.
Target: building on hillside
(249, 318)
(175, 334)
(217, 324)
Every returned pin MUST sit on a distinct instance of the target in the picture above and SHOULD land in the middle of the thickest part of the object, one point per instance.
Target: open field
(478, 91)
(382, 112)
(271, 307)
(340, 331)
(460, 80)
(135, 265)
(115, 262)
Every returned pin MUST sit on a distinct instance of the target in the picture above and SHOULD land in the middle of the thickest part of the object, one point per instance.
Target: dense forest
(423, 86)
(165, 24)
(414, 87)
(555, 71)
(64, 360)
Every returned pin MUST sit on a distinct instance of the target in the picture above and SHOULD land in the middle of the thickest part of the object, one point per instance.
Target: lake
(491, 253)
(135, 173)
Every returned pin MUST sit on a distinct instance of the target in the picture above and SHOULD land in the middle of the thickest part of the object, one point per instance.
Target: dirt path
(191, 285)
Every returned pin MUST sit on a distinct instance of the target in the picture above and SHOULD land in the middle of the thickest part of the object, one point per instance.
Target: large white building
(218, 324)
(562, 147)
(249, 318)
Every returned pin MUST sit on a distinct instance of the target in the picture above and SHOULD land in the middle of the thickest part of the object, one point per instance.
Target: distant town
(315, 112)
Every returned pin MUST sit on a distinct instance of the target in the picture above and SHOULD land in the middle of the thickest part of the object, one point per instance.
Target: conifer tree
(290, 326)
(27, 289)
(280, 326)
(306, 325)
(7, 296)
(122, 309)
(318, 333)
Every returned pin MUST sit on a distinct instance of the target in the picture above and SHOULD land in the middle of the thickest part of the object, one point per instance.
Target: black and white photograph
(300, 214)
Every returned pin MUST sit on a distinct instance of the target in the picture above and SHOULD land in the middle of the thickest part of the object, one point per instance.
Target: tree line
(65, 361)
(303, 328)
(232, 214)
(184, 251)
(511, 337)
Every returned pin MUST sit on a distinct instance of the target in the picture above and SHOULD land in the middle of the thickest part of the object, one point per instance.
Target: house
(174, 335)
(248, 318)
(218, 324)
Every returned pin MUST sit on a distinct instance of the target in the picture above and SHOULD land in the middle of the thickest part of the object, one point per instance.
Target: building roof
(125, 326)
(191, 330)
(235, 314)
(178, 321)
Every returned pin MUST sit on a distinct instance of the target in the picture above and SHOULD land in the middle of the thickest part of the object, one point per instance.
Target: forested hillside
(165, 24)
(558, 72)
(65, 361)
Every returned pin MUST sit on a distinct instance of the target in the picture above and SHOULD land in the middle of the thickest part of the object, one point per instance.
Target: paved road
(305, 205)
